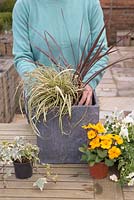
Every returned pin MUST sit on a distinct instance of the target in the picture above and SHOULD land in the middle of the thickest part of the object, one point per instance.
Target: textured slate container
(57, 148)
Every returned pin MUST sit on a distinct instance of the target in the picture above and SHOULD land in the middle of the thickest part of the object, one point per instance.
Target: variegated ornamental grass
(48, 89)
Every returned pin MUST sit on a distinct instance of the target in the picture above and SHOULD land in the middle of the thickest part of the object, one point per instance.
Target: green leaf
(91, 163)
(40, 183)
(82, 149)
(84, 158)
(88, 153)
(109, 162)
(98, 159)
(102, 153)
(121, 163)
(91, 156)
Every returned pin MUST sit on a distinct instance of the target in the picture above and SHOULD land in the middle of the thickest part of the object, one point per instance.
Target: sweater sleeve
(97, 23)
(23, 57)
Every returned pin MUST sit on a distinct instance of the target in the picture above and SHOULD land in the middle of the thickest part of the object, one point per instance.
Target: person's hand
(86, 98)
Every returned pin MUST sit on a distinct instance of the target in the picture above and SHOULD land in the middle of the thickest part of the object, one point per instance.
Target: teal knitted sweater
(32, 19)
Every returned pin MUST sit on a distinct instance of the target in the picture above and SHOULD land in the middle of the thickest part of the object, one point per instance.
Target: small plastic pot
(99, 170)
(23, 170)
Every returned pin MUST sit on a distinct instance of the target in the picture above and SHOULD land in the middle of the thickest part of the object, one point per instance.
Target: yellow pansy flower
(114, 152)
(91, 134)
(89, 126)
(85, 127)
(106, 144)
(100, 128)
(118, 139)
(95, 143)
(92, 126)
(110, 136)
(97, 127)
(107, 136)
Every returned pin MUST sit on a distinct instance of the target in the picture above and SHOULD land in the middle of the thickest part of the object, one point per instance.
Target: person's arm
(96, 24)
(21, 44)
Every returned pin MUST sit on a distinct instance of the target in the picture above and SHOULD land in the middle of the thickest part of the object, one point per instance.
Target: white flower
(119, 115)
(131, 182)
(131, 114)
(128, 119)
(124, 133)
(118, 125)
(113, 178)
(131, 175)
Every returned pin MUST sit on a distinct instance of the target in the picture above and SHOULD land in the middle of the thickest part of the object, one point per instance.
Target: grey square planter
(58, 148)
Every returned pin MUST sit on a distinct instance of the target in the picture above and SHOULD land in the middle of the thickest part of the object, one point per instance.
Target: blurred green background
(6, 7)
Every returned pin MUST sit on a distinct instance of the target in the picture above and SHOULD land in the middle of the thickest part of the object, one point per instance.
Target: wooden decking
(74, 182)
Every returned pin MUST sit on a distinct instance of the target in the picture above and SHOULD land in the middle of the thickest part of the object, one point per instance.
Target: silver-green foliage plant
(20, 151)
(16, 151)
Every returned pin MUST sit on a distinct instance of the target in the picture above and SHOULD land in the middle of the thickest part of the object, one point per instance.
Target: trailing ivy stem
(3, 179)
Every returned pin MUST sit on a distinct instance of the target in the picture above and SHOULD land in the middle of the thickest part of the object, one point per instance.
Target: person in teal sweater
(33, 17)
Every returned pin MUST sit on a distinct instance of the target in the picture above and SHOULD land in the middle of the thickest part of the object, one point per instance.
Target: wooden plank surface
(72, 183)
(128, 189)
(40, 198)
(106, 189)
(47, 193)
(51, 186)
(13, 133)
(64, 171)
(129, 195)
(15, 126)
(64, 166)
(61, 178)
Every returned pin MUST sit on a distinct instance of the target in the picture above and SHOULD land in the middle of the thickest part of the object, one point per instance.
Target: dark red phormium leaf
(84, 64)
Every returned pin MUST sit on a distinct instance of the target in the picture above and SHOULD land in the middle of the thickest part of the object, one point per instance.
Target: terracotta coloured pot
(99, 170)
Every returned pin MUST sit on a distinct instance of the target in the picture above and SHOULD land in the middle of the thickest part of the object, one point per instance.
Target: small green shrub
(7, 5)
(5, 21)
